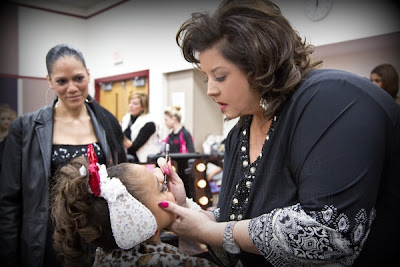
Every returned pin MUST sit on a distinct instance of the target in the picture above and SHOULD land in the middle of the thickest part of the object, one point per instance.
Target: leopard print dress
(149, 253)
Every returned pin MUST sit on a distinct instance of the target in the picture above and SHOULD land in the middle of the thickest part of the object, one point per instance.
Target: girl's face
(169, 121)
(5, 121)
(155, 192)
(228, 85)
(135, 107)
(70, 81)
(376, 79)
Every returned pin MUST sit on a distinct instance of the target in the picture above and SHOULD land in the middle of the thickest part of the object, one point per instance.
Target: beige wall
(202, 117)
(362, 55)
(35, 94)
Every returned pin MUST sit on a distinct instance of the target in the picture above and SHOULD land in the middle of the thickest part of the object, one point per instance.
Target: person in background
(386, 77)
(39, 143)
(140, 129)
(180, 140)
(119, 215)
(7, 115)
(311, 169)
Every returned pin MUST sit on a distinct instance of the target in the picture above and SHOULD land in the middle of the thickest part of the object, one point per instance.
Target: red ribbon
(94, 177)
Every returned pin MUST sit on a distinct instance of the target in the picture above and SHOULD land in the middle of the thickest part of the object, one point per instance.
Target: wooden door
(113, 92)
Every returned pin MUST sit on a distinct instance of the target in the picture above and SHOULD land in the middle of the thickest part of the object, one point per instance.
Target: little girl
(116, 209)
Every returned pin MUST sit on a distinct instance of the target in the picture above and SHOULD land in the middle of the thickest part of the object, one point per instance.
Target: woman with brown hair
(386, 77)
(311, 170)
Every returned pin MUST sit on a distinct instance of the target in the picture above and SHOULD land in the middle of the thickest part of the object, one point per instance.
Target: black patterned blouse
(325, 187)
(61, 154)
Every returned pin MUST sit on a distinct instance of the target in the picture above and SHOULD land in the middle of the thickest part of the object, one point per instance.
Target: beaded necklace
(241, 195)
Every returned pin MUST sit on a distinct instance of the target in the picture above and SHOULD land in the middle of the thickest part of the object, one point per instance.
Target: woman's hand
(189, 224)
(127, 143)
(174, 182)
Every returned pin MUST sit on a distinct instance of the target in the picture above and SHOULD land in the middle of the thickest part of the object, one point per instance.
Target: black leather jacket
(24, 186)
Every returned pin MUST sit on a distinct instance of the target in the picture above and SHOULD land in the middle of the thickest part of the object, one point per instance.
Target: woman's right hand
(127, 142)
(174, 182)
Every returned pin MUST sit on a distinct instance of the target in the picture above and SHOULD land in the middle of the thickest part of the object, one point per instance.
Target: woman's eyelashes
(217, 79)
(79, 78)
(61, 81)
(220, 79)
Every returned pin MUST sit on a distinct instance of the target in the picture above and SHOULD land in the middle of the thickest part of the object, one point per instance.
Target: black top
(329, 167)
(61, 154)
(181, 142)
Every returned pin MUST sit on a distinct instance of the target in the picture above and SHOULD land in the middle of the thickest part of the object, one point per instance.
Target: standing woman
(180, 140)
(386, 77)
(38, 144)
(140, 130)
(311, 170)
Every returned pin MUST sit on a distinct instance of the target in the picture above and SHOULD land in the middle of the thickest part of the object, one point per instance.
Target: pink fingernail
(166, 170)
(163, 204)
(170, 162)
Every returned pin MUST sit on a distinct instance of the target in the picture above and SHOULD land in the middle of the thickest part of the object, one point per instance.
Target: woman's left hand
(189, 224)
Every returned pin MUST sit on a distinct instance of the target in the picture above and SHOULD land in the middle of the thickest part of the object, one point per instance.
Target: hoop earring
(47, 94)
(264, 104)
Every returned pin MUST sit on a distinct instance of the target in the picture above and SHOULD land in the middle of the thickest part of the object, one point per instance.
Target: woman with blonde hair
(140, 129)
(180, 140)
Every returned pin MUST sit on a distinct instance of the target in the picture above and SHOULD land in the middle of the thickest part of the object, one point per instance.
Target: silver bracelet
(193, 205)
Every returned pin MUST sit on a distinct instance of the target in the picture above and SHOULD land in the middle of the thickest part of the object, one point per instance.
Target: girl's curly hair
(78, 216)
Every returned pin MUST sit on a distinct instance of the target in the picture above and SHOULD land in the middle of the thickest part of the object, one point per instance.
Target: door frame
(120, 78)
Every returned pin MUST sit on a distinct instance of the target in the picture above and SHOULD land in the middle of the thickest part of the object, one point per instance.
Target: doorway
(113, 92)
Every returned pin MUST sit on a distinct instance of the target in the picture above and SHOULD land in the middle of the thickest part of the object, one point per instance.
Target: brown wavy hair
(390, 78)
(254, 36)
(79, 217)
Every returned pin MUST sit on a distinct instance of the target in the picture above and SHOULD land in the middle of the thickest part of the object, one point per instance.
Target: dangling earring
(264, 104)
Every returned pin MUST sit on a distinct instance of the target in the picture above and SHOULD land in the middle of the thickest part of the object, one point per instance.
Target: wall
(362, 55)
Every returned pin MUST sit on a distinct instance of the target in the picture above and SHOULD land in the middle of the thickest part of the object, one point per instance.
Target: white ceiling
(78, 8)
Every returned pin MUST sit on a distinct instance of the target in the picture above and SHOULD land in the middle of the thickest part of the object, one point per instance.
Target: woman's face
(169, 121)
(135, 107)
(155, 192)
(5, 121)
(228, 85)
(70, 80)
(376, 79)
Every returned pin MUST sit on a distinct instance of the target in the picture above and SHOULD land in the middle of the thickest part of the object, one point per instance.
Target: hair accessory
(82, 171)
(264, 104)
(131, 221)
(94, 178)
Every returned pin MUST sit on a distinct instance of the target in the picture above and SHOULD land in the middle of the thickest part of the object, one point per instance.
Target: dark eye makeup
(164, 188)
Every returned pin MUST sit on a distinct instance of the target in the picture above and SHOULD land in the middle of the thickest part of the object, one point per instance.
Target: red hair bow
(94, 177)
